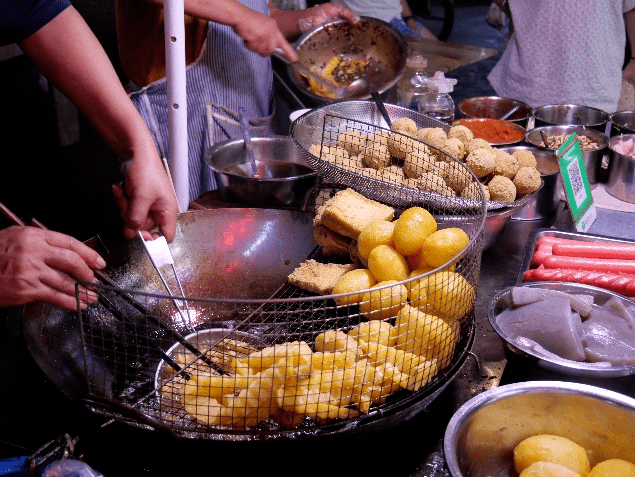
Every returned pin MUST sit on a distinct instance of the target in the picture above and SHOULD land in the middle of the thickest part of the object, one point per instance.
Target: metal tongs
(160, 255)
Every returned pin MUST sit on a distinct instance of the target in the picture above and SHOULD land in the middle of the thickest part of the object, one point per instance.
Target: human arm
(67, 52)
(409, 19)
(41, 265)
(629, 70)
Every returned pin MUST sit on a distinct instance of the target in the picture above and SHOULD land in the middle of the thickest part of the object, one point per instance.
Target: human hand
(148, 200)
(628, 73)
(322, 13)
(261, 34)
(42, 265)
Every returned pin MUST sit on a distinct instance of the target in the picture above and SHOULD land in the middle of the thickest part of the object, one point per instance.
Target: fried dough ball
(455, 148)
(436, 137)
(525, 158)
(473, 191)
(481, 162)
(506, 164)
(417, 162)
(376, 155)
(457, 178)
(502, 189)
(527, 180)
(399, 145)
(431, 134)
(476, 143)
(380, 137)
(432, 182)
(344, 161)
(393, 174)
(318, 150)
(352, 141)
(462, 133)
(405, 125)
(353, 163)
(370, 172)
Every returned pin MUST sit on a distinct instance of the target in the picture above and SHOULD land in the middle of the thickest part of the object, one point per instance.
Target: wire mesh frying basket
(296, 363)
(350, 143)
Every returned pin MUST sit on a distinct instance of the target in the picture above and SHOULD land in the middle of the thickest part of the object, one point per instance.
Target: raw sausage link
(595, 250)
(624, 285)
(593, 264)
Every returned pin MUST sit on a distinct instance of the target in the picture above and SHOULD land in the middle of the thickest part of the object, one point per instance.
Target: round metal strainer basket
(350, 143)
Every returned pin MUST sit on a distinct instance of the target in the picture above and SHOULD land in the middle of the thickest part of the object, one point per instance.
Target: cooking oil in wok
(269, 170)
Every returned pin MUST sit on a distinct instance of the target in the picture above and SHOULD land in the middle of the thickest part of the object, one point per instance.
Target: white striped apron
(225, 77)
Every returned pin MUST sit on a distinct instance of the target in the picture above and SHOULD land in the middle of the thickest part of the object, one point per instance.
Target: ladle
(360, 85)
(510, 112)
(244, 126)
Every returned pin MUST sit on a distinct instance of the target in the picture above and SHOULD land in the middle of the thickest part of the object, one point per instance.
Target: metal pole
(177, 103)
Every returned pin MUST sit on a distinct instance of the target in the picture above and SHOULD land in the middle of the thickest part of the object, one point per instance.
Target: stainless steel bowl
(494, 107)
(495, 223)
(570, 114)
(517, 351)
(283, 178)
(621, 181)
(370, 36)
(482, 434)
(622, 122)
(545, 202)
(592, 159)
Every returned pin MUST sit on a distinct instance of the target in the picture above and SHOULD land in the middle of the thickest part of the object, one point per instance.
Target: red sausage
(551, 240)
(596, 250)
(541, 253)
(594, 264)
(622, 284)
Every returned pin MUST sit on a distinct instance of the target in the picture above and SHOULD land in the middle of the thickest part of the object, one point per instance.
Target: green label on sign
(576, 183)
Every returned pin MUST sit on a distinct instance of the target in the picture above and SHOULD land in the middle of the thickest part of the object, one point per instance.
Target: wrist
(407, 18)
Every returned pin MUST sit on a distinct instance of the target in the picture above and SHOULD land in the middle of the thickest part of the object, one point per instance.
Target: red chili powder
(493, 130)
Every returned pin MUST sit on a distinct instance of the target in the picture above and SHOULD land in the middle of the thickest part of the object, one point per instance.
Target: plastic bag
(69, 468)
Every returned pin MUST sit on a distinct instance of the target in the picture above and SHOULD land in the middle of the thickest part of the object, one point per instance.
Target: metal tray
(532, 245)
(559, 365)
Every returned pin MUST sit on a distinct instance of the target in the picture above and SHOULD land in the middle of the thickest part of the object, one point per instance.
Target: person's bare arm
(67, 52)
(629, 70)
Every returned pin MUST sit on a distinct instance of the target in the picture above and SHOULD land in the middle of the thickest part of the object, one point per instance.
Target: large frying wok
(238, 254)
(222, 253)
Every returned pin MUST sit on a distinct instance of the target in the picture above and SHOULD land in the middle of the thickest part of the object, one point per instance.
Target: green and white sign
(576, 184)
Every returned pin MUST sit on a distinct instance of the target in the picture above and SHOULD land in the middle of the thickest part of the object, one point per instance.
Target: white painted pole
(177, 103)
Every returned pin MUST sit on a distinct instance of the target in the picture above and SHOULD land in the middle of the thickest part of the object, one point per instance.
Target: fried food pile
(339, 71)
(404, 157)
(399, 334)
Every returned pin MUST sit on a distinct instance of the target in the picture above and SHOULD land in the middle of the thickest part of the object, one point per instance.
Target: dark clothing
(19, 19)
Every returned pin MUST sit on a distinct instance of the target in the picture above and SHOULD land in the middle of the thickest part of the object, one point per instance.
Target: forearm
(70, 56)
